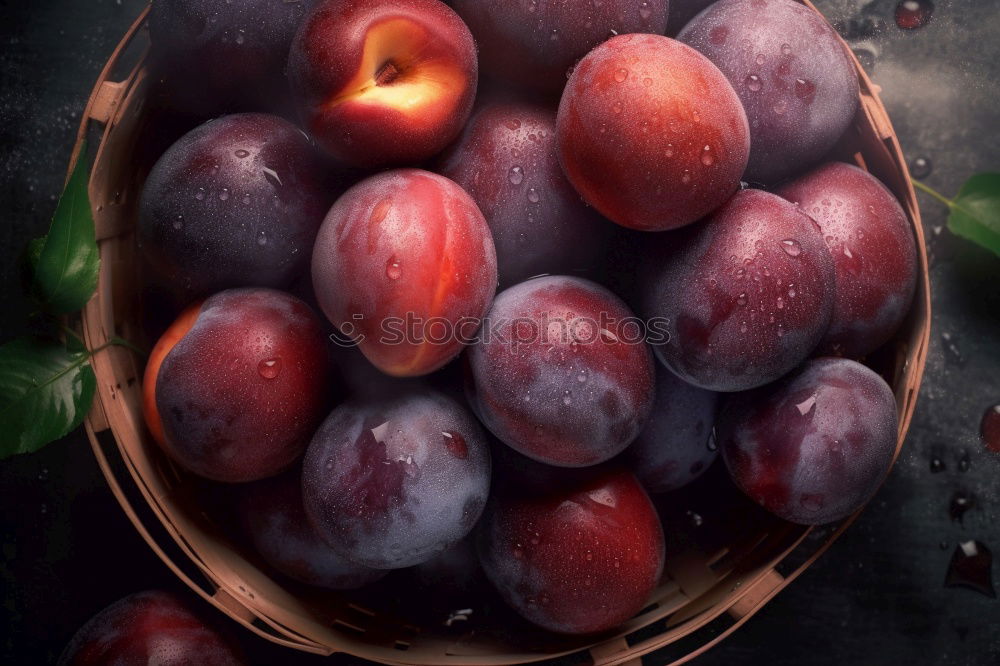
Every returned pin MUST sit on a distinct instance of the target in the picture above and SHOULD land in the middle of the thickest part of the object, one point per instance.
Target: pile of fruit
(562, 262)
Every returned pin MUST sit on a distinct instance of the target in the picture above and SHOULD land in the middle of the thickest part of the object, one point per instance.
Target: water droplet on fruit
(686, 177)
(971, 567)
(648, 82)
(753, 82)
(567, 399)
(617, 107)
(224, 194)
(516, 175)
(718, 34)
(791, 247)
(533, 195)
(913, 14)
(804, 88)
(240, 38)
(743, 327)
(786, 49)
(242, 153)
(582, 377)
(760, 59)
(669, 152)
(706, 156)
(780, 107)
(937, 465)
(262, 239)
(621, 74)
(781, 303)
(179, 222)
(742, 299)
(791, 291)
(269, 368)
(554, 36)
(989, 428)
(200, 194)
(921, 167)
(392, 269)
(246, 199)
(645, 11)
(513, 124)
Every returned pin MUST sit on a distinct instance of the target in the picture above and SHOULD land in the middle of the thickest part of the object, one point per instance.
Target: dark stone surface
(876, 598)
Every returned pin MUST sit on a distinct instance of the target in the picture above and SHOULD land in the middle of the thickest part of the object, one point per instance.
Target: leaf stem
(932, 192)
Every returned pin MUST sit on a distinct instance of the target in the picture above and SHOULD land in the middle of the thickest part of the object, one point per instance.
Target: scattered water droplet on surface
(269, 368)
(200, 194)
(971, 567)
(179, 222)
(262, 239)
(533, 195)
(786, 49)
(706, 156)
(753, 82)
(937, 465)
(804, 88)
(516, 175)
(621, 75)
(242, 153)
(914, 14)
(921, 167)
(961, 503)
(224, 194)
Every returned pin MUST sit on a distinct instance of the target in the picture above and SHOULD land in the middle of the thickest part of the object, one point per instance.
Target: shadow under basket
(711, 586)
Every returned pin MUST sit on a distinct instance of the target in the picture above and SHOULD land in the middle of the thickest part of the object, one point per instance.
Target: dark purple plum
(682, 11)
(673, 449)
(390, 484)
(577, 558)
(151, 627)
(533, 44)
(792, 73)
(874, 254)
(564, 375)
(506, 159)
(235, 202)
(220, 55)
(273, 516)
(745, 295)
(814, 447)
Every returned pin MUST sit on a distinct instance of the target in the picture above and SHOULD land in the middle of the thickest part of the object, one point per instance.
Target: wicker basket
(707, 594)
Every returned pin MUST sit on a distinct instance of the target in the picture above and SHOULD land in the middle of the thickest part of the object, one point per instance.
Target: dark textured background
(876, 598)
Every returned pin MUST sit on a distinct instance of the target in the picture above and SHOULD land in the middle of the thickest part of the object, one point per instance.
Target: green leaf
(66, 265)
(975, 212)
(45, 391)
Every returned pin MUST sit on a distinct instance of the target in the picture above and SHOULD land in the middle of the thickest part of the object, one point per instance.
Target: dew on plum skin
(913, 14)
(813, 447)
(269, 368)
(937, 465)
(971, 567)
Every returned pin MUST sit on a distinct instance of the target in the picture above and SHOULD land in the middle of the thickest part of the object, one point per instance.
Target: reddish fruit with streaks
(651, 133)
(405, 263)
(151, 627)
(235, 387)
(565, 376)
(575, 558)
(813, 448)
(745, 295)
(874, 254)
